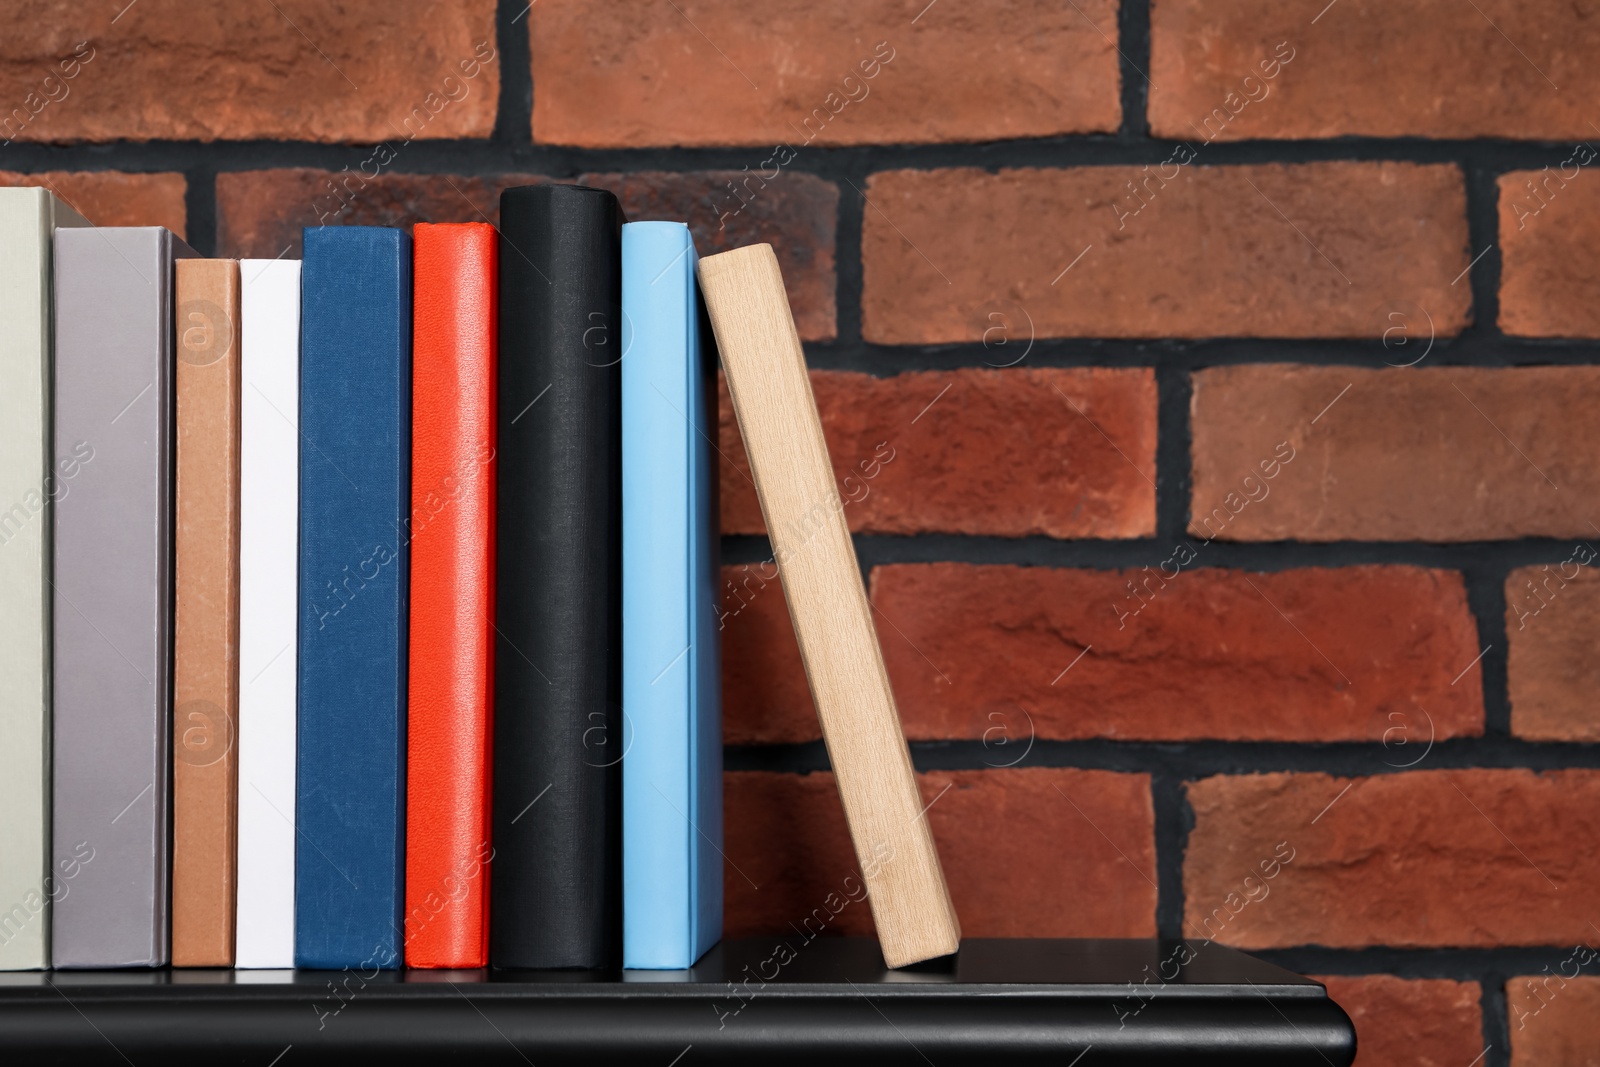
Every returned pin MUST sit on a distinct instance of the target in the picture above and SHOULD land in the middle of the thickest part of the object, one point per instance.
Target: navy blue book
(355, 492)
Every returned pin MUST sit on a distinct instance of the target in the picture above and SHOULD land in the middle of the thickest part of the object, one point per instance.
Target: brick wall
(1212, 386)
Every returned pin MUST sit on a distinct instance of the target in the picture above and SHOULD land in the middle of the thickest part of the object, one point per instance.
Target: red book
(452, 596)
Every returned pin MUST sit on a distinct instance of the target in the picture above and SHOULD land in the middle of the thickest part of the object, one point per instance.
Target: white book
(29, 484)
(269, 515)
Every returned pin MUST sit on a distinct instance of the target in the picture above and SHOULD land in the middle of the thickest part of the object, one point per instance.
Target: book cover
(452, 595)
(30, 482)
(205, 637)
(112, 612)
(771, 392)
(671, 667)
(269, 567)
(355, 493)
(556, 881)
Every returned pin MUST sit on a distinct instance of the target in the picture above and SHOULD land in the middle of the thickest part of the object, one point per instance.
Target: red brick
(999, 452)
(112, 198)
(1555, 1020)
(1275, 250)
(1552, 615)
(213, 70)
(1401, 1023)
(1409, 454)
(1371, 68)
(260, 212)
(1358, 653)
(1020, 853)
(765, 698)
(1549, 230)
(719, 72)
(796, 214)
(982, 653)
(1420, 859)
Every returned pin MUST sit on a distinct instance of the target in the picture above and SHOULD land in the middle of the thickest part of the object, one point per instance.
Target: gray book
(29, 484)
(113, 594)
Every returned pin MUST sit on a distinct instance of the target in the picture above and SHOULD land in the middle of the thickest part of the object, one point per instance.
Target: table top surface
(1089, 967)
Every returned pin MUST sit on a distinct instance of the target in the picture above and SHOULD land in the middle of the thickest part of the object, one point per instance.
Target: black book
(556, 894)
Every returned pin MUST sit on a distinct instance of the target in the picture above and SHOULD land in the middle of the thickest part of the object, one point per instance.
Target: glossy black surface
(759, 1000)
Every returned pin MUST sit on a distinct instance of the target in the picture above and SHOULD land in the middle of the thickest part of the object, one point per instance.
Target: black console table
(756, 1001)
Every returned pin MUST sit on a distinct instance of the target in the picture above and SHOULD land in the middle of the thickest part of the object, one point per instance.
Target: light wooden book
(782, 432)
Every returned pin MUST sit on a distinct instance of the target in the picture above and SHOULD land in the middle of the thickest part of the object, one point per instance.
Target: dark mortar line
(1474, 349)
(1173, 821)
(1463, 964)
(507, 151)
(848, 264)
(1187, 761)
(1133, 46)
(200, 219)
(1483, 228)
(1495, 1007)
(1174, 473)
(1485, 582)
(1489, 561)
(514, 113)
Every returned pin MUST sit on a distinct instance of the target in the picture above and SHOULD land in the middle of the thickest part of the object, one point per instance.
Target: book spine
(558, 737)
(671, 775)
(355, 422)
(30, 482)
(205, 668)
(452, 596)
(782, 433)
(269, 531)
(113, 594)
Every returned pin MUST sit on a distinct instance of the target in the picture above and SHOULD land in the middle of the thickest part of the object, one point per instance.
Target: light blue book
(671, 658)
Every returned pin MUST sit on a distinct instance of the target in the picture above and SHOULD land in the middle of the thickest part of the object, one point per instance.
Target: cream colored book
(782, 432)
(30, 483)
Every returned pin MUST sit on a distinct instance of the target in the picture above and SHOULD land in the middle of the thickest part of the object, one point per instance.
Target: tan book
(782, 432)
(205, 702)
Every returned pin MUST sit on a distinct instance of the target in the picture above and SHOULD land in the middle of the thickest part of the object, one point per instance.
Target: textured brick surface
(261, 213)
(1401, 1023)
(210, 69)
(796, 214)
(1555, 1019)
(765, 699)
(1306, 250)
(796, 72)
(1358, 653)
(1372, 68)
(1064, 453)
(1549, 236)
(112, 198)
(788, 849)
(1440, 454)
(1421, 858)
(1552, 616)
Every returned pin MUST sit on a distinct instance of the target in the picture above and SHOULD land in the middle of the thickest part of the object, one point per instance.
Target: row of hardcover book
(358, 611)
